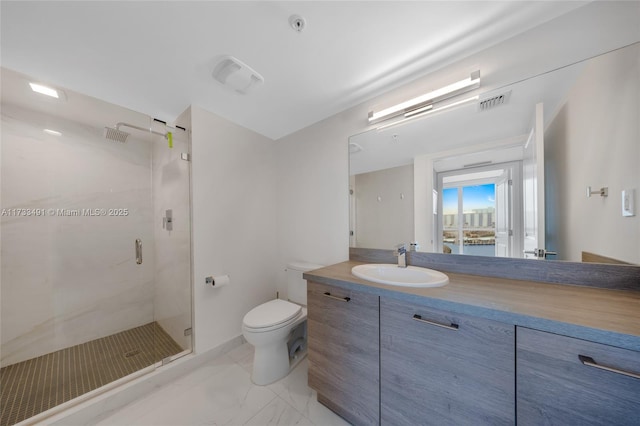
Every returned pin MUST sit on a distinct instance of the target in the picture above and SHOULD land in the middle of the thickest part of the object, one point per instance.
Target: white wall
(384, 207)
(313, 204)
(234, 224)
(313, 193)
(604, 153)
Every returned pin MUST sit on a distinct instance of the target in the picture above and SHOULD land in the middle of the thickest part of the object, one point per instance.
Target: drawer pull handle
(590, 362)
(342, 299)
(451, 326)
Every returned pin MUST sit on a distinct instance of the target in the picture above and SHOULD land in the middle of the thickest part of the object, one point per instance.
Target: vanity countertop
(605, 316)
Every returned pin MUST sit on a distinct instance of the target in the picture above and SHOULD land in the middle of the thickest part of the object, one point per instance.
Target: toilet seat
(271, 315)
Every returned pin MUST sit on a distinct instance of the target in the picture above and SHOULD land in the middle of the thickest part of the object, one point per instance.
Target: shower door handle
(139, 251)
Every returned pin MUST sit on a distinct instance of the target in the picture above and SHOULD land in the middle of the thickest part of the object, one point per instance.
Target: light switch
(628, 200)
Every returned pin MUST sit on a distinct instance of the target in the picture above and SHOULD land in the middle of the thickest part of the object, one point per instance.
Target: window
(469, 225)
(477, 213)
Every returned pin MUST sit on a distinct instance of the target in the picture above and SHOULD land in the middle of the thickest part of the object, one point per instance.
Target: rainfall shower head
(115, 134)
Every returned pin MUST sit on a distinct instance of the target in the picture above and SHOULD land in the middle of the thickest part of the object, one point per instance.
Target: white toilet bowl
(267, 327)
(277, 329)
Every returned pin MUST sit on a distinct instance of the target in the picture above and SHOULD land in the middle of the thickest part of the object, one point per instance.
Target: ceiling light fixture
(39, 88)
(418, 105)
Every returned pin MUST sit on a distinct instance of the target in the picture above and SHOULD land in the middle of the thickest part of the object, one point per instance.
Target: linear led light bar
(52, 132)
(425, 102)
(39, 88)
(428, 111)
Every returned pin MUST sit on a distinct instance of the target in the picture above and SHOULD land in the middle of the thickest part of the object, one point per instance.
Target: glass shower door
(171, 154)
(82, 302)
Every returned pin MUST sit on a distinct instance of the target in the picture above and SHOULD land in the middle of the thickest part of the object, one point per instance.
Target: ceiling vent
(494, 101)
(237, 75)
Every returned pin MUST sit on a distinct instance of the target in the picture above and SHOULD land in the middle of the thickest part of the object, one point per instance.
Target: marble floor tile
(243, 355)
(162, 395)
(228, 398)
(278, 412)
(220, 392)
(294, 390)
(203, 372)
(129, 414)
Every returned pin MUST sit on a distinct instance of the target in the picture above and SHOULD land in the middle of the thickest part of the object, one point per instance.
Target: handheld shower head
(115, 134)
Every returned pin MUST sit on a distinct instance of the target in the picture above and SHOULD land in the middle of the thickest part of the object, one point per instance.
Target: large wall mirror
(550, 162)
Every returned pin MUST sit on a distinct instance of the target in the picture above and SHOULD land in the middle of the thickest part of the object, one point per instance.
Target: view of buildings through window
(469, 226)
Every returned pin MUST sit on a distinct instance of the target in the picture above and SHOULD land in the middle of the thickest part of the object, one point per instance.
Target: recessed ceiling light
(39, 88)
(53, 132)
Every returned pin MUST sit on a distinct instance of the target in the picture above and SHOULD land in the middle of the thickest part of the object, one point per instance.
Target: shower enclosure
(96, 249)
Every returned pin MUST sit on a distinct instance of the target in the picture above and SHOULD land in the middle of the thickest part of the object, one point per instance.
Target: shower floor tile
(30, 387)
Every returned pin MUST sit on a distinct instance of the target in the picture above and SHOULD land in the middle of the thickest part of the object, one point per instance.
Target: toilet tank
(296, 285)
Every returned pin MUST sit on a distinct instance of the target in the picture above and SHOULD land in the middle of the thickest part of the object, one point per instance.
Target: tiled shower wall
(70, 279)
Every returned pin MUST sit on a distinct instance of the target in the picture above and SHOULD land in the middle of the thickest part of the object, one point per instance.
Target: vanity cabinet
(563, 380)
(441, 368)
(343, 351)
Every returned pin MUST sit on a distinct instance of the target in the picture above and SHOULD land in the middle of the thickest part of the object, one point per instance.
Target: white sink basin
(411, 276)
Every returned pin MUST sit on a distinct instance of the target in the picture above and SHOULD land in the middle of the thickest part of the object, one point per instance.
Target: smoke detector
(236, 75)
(297, 22)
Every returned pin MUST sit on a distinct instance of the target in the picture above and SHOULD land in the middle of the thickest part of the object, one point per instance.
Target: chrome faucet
(401, 252)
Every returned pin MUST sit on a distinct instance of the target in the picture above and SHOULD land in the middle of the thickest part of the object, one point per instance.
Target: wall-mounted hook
(603, 192)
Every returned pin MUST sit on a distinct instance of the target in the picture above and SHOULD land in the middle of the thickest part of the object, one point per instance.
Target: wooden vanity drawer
(443, 368)
(567, 381)
(343, 351)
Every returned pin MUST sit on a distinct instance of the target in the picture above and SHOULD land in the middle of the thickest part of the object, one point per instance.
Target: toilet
(278, 329)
